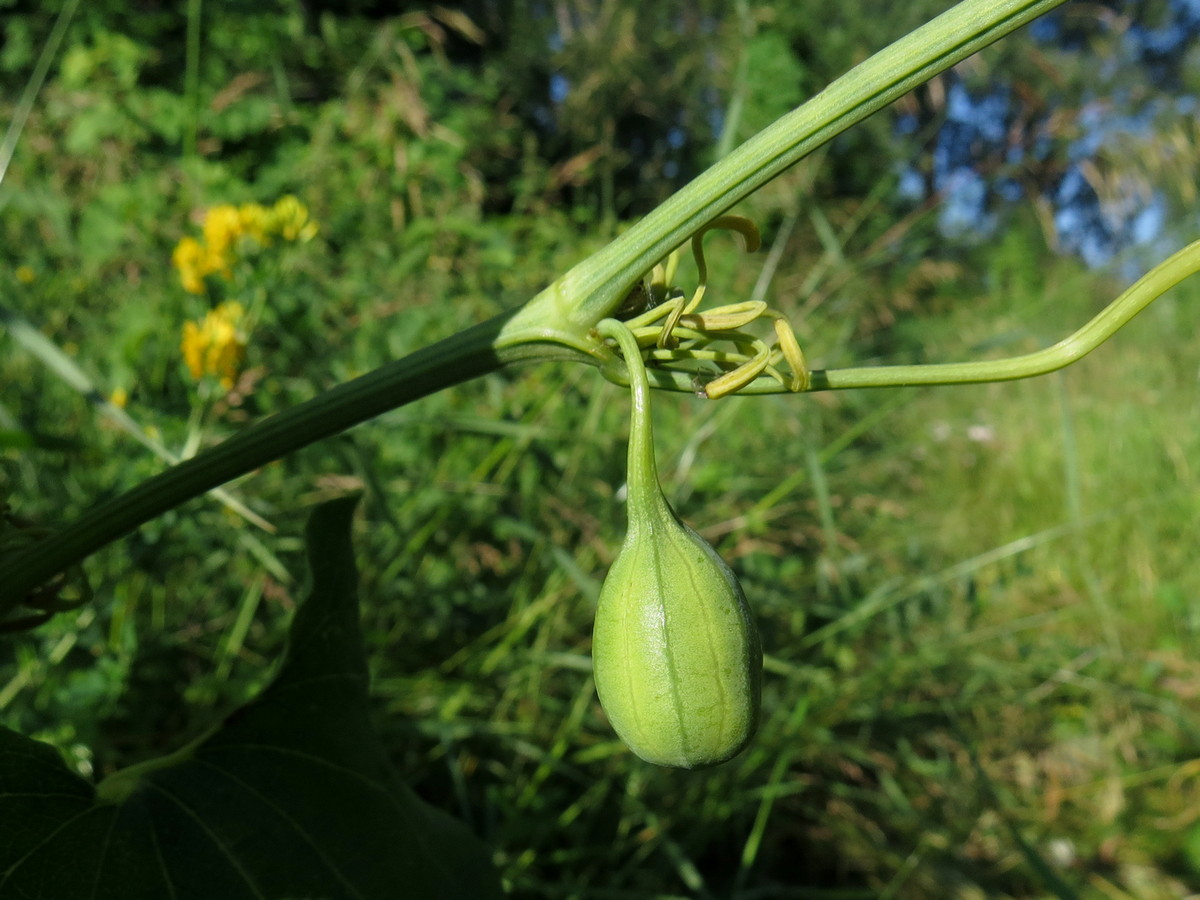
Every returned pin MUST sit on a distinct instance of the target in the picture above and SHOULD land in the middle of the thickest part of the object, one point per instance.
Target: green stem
(117, 787)
(645, 494)
(62, 365)
(1104, 325)
(460, 358)
(594, 288)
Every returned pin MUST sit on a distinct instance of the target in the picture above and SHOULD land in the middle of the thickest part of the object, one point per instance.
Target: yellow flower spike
(215, 345)
(222, 227)
(289, 219)
(193, 347)
(190, 258)
(254, 220)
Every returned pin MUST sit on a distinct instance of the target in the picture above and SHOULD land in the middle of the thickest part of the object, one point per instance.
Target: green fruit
(675, 651)
(676, 654)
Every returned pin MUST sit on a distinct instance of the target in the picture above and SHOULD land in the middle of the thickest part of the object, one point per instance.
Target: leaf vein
(287, 818)
(49, 837)
(298, 754)
(224, 850)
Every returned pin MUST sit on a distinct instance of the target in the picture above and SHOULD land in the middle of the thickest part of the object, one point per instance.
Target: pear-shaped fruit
(676, 654)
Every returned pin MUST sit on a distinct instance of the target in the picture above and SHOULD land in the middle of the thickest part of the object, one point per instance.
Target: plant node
(673, 333)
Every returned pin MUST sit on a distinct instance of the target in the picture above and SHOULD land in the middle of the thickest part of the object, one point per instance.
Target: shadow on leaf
(291, 797)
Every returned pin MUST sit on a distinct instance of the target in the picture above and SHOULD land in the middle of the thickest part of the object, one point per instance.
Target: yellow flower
(222, 227)
(215, 345)
(25, 274)
(255, 221)
(289, 218)
(119, 398)
(191, 260)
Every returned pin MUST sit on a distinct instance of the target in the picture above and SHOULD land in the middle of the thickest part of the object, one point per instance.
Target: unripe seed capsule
(676, 654)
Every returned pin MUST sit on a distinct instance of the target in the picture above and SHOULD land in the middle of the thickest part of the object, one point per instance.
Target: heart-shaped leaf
(292, 797)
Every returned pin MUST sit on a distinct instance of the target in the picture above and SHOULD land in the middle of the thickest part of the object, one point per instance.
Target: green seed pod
(676, 655)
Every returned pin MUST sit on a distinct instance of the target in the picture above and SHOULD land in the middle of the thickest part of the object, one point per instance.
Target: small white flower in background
(981, 434)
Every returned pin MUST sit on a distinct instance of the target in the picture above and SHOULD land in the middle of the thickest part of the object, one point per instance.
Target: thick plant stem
(594, 288)
(460, 358)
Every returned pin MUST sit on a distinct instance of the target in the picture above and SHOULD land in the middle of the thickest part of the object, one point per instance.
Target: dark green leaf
(291, 797)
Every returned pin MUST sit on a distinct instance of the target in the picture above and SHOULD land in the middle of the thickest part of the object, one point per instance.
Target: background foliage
(979, 605)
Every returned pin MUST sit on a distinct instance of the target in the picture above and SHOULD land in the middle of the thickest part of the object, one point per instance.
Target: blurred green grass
(979, 604)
